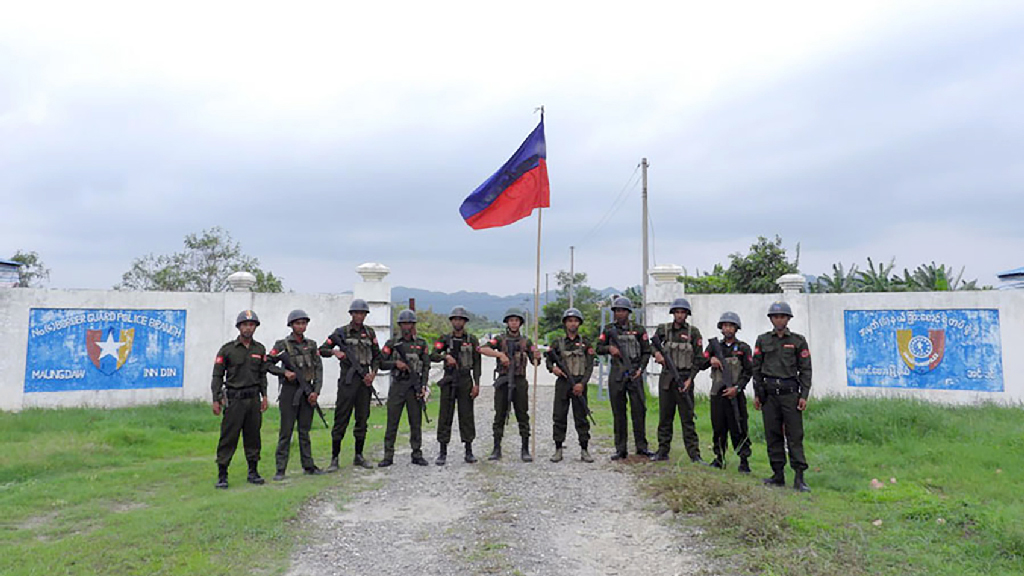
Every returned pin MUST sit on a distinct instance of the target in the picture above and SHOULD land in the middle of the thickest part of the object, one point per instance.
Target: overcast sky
(324, 135)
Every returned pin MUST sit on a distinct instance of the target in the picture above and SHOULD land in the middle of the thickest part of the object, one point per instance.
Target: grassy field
(951, 500)
(130, 491)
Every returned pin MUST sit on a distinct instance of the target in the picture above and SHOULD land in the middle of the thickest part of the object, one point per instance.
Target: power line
(616, 204)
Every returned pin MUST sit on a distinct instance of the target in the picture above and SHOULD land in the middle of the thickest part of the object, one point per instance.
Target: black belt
(242, 393)
(781, 386)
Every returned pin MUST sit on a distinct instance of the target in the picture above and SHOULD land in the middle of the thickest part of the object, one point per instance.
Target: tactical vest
(301, 360)
(628, 344)
(462, 350)
(361, 345)
(575, 357)
(680, 351)
(412, 356)
(735, 368)
(521, 355)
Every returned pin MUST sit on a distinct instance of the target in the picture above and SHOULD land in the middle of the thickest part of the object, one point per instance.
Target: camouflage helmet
(622, 302)
(407, 316)
(514, 312)
(680, 303)
(780, 308)
(297, 315)
(359, 305)
(730, 317)
(459, 312)
(572, 313)
(247, 316)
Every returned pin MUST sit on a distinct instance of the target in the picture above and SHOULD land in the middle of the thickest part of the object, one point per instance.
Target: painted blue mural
(929, 349)
(87, 349)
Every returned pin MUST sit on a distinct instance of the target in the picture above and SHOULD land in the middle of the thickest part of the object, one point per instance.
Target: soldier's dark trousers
(410, 403)
(635, 400)
(724, 424)
(670, 402)
(354, 397)
(520, 403)
(779, 411)
(563, 399)
(456, 398)
(290, 415)
(241, 416)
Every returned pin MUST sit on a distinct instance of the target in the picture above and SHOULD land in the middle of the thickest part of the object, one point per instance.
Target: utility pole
(643, 285)
(547, 276)
(572, 273)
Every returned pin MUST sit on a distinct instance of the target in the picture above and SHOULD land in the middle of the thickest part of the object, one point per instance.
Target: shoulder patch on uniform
(757, 351)
(494, 342)
(260, 356)
(805, 354)
(601, 337)
(590, 351)
(386, 350)
(439, 345)
(219, 360)
(273, 351)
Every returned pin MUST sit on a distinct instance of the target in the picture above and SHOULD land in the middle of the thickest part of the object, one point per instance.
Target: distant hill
(482, 303)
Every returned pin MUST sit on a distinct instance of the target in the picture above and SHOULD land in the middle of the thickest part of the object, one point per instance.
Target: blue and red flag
(511, 193)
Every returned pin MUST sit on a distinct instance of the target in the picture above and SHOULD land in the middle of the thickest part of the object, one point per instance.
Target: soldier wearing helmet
(684, 344)
(408, 358)
(628, 345)
(725, 419)
(578, 356)
(512, 349)
(458, 350)
(301, 354)
(353, 391)
(782, 383)
(239, 389)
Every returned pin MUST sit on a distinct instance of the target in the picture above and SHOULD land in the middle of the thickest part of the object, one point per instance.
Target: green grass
(956, 506)
(130, 491)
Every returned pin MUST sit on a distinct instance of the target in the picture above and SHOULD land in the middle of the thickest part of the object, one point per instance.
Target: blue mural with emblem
(100, 349)
(928, 349)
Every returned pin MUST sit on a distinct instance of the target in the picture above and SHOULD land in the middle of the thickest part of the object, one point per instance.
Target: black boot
(778, 478)
(620, 455)
(311, 471)
(442, 456)
(699, 460)
(279, 476)
(335, 450)
(744, 465)
(557, 456)
(254, 475)
(419, 460)
(334, 464)
(524, 454)
(496, 452)
(388, 460)
(660, 456)
(360, 462)
(222, 476)
(469, 453)
(717, 463)
(798, 482)
(644, 452)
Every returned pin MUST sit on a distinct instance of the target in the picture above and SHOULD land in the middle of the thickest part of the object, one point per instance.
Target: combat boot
(442, 457)
(311, 471)
(470, 459)
(359, 461)
(419, 460)
(744, 467)
(798, 482)
(222, 476)
(557, 456)
(660, 456)
(699, 460)
(717, 463)
(524, 454)
(620, 456)
(334, 464)
(254, 475)
(645, 453)
(496, 453)
(279, 476)
(388, 460)
(585, 455)
(778, 478)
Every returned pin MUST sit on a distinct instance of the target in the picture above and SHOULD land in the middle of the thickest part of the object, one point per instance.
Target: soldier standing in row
(513, 351)
(408, 359)
(358, 369)
(628, 345)
(576, 355)
(298, 353)
(782, 383)
(239, 389)
(682, 342)
(460, 385)
(729, 404)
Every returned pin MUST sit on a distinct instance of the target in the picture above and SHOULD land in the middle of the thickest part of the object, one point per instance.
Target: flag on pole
(511, 193)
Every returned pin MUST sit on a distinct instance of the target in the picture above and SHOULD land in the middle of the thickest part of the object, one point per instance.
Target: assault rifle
(355, 368)
(716, 350)
(677, 377)
(452, 374)
(627, 365)
(419, 379)
(508, 378)
(557, 360)
(305, 388)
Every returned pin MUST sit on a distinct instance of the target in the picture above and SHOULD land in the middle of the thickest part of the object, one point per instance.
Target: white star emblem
(110, 347)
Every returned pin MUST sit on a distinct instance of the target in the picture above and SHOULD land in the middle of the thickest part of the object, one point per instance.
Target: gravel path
(508, 517)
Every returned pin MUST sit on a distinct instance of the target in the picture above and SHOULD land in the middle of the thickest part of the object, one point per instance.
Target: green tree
(204, 266)
(839, 281)
(936, 278)
(714, 282)
(32, 273)
(756, 272)
(585, 298)
(880, 278)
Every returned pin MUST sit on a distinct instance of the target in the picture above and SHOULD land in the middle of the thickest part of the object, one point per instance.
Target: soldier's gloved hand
(730, 392)
(614, 350)
(263, 404)
(716, 363)
(289, 375)
(558, 372)
(504, 359)
(217, 407)
(757, 403)
(339, 354)
(801, 404)
(578, 390)
(450, 360)
(368, 379)
(658, 357)
(474, 392)
(313, 396)
(402, 366)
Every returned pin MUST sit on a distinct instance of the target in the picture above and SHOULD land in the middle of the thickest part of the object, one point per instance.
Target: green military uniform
(459, 386)
(303, 357)
(578, 356)
(240, 379)
(684, 345)
(632, 342)
(524, 354)
(782, 376)
(353, 393)
(724, 419)
(402, 394)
